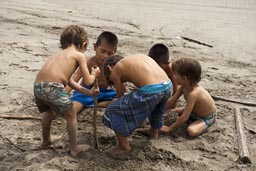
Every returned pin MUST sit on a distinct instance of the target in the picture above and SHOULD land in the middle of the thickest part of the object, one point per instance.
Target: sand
(224, 39)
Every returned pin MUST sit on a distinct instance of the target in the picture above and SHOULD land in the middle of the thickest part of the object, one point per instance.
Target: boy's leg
(71, 117)
(104, 104)
(196, 128)
(77, 106)
(122, 146)
(46, 129)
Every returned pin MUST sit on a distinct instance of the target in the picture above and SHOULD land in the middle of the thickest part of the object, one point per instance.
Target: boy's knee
(192, 132)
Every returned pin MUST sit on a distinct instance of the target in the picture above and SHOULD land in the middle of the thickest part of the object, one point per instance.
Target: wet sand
(220, 34)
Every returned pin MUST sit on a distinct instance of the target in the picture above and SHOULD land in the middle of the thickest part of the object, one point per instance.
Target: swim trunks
(105, 94)
(51, 95)
(129, 111)
(208, 121)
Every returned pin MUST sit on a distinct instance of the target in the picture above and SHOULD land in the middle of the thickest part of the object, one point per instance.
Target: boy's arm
(175, 86)
(87, 77)
(76, 77)
(170, 73)
(119, 86)
(173, 99)
(185, 115)
(74, 85)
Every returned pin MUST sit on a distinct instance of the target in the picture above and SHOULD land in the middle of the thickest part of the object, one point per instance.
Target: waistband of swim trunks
(156, 88)
(208, 117)
(54, 84)
(211, 115)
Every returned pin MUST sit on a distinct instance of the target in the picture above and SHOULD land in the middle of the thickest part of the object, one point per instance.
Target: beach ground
(220, 34)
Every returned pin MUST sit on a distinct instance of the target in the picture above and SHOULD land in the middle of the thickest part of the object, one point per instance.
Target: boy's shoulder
(197, 91)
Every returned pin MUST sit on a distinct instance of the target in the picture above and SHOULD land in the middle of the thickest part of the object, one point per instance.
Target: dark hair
(110, 61)
(109, 37)
(75, 35)
(159, 52)
(188, 67)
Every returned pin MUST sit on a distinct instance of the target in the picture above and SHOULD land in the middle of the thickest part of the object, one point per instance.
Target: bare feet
(117, 150)
(53, 140)
(165, 129)
(147, 132)
(79, 148)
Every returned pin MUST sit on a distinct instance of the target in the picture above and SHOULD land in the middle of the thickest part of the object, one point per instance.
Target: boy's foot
(80, 148)
(165, 129)
(147, 132)
(54, 139)
(117, 150)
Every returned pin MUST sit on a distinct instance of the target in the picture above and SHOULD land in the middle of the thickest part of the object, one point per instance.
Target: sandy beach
(220, 34)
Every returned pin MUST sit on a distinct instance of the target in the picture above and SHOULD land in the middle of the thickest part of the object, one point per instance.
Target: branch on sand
(18, 116)
(14, 145)
(234, 101)
(242, 146)
(196, 41)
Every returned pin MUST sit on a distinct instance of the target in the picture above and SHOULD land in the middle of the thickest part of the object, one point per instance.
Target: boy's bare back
(60, 67)
(140, 70)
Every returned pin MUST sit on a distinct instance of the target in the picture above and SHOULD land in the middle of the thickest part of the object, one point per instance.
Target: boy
(160, 53)
(129, 111)
(200, 108)
(50, 95)
(105, 46)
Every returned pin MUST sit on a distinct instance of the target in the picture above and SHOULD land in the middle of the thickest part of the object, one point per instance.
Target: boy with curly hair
(49, 86)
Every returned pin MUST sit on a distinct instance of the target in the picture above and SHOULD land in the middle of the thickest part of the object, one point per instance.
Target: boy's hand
(95, 91)
(177, 110)
(95, 71)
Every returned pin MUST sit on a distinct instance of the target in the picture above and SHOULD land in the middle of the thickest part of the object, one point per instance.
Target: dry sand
(29, 32)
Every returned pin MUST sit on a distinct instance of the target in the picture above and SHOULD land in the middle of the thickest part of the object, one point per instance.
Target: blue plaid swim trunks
(129, 111)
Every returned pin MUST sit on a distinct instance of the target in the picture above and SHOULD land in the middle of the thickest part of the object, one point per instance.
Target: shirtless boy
(50, 94)
(128, 112)
(104, 47)
(200, 108)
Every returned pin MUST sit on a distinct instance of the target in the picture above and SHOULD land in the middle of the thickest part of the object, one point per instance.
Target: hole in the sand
(107, 140)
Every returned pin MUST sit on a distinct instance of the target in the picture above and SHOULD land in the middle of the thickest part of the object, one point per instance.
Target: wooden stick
(95, 108)
(234, 101)
(243, 149)
(18, 116)
(196, 41)
(14, 145)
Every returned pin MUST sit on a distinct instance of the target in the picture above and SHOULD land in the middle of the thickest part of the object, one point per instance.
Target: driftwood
(234, 101)
(95, 108)
(18, 116)
(243, 149)
(14, 145)
(251, 130)
(196, 41)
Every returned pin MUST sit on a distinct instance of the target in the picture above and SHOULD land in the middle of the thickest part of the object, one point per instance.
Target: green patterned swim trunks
(51, 95)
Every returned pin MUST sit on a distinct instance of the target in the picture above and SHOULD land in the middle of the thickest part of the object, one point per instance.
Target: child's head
(188, 68)
(160, 53)
(74, 35)
(108, 64)
(105, 46)
(109, 37)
